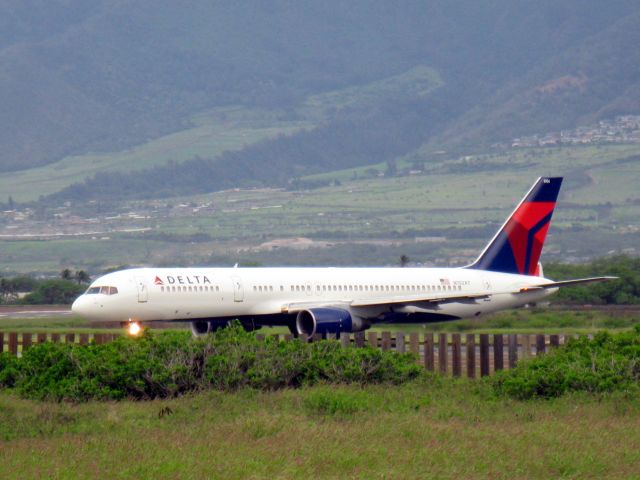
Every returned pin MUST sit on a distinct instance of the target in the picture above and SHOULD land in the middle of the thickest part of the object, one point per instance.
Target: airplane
(507, 274)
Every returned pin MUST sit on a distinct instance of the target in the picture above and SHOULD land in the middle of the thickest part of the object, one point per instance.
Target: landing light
(134, 329)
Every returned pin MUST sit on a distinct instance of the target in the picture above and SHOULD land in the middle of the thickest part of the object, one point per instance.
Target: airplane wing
(381, 301)
(407, 299)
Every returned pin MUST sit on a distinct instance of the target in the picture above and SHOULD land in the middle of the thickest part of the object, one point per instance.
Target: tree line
(26, 290)
(623, 291)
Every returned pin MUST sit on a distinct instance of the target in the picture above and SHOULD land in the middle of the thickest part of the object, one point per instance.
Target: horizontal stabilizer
(567, 283)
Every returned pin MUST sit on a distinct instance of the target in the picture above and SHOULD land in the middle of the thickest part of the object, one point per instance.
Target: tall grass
(432, 427)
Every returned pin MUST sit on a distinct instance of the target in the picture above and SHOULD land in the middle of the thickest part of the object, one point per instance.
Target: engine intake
(327, 320)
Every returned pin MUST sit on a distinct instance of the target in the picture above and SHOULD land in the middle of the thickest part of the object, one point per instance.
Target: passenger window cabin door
(238, 289)
(143, 291)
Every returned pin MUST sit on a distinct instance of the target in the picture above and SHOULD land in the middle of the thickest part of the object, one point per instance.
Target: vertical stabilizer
(517, 246)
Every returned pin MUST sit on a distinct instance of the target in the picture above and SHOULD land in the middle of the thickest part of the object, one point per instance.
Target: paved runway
(34, 311)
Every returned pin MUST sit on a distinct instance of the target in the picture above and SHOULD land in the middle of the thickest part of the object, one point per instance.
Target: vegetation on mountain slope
(96, 76)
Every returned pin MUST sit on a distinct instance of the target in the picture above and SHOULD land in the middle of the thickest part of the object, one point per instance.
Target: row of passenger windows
(363, 288)
(265, 288)
(302, 288)
(179, 288)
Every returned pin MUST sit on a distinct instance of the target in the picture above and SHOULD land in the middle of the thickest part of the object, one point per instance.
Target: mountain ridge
(99, 76)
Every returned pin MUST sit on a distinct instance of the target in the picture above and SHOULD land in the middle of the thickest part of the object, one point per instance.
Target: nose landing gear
(134, 328)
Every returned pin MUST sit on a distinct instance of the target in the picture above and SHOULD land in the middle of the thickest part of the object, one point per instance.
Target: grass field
(433, 428)
(458, 203)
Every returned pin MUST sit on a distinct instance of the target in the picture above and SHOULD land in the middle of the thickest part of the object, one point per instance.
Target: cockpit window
(102, 290)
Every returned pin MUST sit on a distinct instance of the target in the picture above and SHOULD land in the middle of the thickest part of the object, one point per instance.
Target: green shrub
(605, 364)
(170, 364)
(237, 359)
(8, 370)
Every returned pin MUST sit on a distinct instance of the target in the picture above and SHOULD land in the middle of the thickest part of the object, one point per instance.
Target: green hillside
(119, 83)
(441, 217)
(211, 134)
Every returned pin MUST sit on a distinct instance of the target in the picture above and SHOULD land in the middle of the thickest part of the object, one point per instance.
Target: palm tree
(82, 277)
(66, 274)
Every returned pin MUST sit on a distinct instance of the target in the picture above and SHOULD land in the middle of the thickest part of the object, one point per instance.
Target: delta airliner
(507, 274)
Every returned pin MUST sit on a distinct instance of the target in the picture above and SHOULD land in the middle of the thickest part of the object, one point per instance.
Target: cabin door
(238, 289)
(143, 292)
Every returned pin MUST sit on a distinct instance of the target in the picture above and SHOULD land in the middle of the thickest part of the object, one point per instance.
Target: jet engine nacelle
(202, 327)
(328, 320)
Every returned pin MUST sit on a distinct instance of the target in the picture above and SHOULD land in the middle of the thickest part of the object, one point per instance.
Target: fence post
(400, 342)
(498, 352)
(345, 339)
(13, 343)
(442, 352)
(471, 355)
(372, 339)
(84, 338)
(513, 350)
(540, 346)
(484, 354)
(456, 354)
(1, 342)
(526, 345)
(70, 338)
(386, 340)
(428, 351)
(41, 338)
(554, 340)
(55, 337)
(414, 343)
(97, 337)
(359, 339)
(26, 341)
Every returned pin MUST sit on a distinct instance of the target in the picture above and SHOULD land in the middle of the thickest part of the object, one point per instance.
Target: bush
(605, 364)
(8, 371)
(169, 364)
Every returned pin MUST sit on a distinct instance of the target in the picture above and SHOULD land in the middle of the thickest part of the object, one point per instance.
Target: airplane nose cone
(79, 307)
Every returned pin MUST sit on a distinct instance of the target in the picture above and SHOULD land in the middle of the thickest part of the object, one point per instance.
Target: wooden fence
(455, 354)
(15, 343)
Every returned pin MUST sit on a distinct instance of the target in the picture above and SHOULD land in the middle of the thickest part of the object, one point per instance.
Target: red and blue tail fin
(517, 246)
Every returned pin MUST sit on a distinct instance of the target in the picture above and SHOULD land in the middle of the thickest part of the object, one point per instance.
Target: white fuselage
(187, 294)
